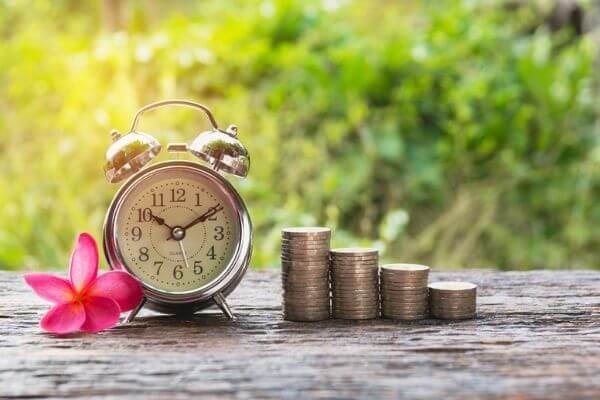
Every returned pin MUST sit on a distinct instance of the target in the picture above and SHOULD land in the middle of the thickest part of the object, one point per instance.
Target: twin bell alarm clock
(179, 227)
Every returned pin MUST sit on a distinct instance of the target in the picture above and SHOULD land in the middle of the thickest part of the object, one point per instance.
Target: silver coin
(454, 288)
(414, 304)
(403, 278)
(355, 301)
(405, 311)
(291, 290)
(355, 267)
(296, 266)
(305, 298)
(354, 316)
(355, 304)
(354, 279)
(405, 317)
(358, 308)
(314, 274)
(293, 251)
(405, 268)
(444, 299)
(305, 318)
(285, 247)
(407, 289)
(452, 304)
(302, 241)
(420, 284)
(402, 281)
(409, 301)
(316, 271)
(305, 231)
(453, 316)
(356, 289)
(355, 272)
(306, 258)
(356, 284)
(472, 308)
(314, 307)
(354, 250)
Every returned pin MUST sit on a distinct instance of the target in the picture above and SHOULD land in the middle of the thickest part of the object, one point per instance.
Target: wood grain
(537, 336)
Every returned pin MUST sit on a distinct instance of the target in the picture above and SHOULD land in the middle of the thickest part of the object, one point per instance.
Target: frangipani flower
(85, 302)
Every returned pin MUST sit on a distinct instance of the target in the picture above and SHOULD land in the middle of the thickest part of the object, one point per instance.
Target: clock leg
(135, 311)
(222, 304)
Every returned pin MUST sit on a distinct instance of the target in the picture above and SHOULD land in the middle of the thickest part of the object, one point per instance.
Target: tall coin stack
(404, 291)
(305, 273)
(453, 300)
(355, 283)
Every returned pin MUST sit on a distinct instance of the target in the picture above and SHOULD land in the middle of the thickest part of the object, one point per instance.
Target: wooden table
(537, 336)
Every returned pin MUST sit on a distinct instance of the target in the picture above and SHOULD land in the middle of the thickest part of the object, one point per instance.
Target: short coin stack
(453, 300)
(404, 291)
(355, 283)
(305, 273)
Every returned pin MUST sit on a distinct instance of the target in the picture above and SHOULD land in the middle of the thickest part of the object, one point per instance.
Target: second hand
(183, 253)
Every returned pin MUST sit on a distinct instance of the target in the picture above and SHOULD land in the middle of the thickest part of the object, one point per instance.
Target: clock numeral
(136, 233)
(198, 267)
(178, 272)
(178, 195)
(144, 214)
(219, 235)
(143, 254)
(198, 200)
(158, 199)
(211, 253)
(158, 264)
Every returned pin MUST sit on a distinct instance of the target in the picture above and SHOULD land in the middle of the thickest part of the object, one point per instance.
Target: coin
(305, 242)
(308, 307)
(405, 317)
(355, 315)
(306, 231)
(304, 249)
(301, 317)
(405, 300)
(354, 251)
(439, 315)
(452, 287)
(405, 269)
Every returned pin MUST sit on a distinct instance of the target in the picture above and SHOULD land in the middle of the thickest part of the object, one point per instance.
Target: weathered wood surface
(537, 336)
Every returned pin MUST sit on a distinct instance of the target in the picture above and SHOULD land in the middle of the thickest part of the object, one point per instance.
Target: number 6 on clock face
(181, 229)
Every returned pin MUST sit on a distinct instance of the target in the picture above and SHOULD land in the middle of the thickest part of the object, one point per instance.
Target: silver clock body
(186, 301)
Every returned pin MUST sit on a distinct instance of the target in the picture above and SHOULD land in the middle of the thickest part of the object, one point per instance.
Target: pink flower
(85, 302)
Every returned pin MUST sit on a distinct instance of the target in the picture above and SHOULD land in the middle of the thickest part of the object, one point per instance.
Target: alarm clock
(179, 227)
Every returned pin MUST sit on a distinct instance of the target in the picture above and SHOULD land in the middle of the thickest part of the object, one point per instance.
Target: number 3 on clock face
(178, 228)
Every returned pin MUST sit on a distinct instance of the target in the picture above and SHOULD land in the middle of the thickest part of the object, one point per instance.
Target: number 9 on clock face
(178, 227)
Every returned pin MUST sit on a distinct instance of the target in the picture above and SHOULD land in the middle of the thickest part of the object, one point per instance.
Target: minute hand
(209, 213)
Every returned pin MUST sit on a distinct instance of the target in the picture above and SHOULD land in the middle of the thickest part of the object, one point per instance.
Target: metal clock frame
(213, 292)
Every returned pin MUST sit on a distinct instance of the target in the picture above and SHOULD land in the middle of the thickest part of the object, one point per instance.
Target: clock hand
(159, 220)
(209, 213)
(183, 253)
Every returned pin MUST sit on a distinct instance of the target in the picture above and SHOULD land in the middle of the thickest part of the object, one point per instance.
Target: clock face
(177, 229)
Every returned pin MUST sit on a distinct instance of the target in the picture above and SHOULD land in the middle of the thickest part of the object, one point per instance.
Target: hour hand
(160, 221)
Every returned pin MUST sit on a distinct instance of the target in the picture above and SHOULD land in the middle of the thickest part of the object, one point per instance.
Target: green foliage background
(460, 134)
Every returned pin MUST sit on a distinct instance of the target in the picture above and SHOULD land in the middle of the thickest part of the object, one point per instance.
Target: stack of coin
(404, 291)
(305, 273)
(355, 283)
(453, 300)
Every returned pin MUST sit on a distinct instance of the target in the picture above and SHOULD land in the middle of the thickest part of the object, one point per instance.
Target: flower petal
(119, 286)
(64, 318)
(100, 313)
(49, 287)
(84, 262)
